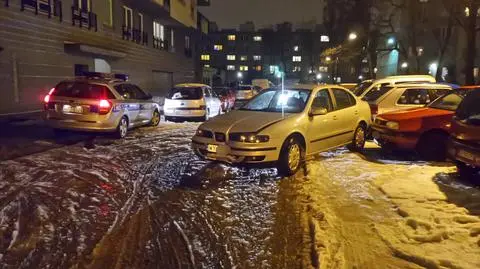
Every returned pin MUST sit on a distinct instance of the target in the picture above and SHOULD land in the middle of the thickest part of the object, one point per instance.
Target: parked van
(365, 86)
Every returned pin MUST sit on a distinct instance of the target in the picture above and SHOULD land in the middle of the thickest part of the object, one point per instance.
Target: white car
(385, 99)
(191, 101)
(365, 86)
(283, 127)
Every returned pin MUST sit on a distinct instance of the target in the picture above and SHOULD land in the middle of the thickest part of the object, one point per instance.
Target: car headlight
(249, 138)
(393, 125)
(203, 133)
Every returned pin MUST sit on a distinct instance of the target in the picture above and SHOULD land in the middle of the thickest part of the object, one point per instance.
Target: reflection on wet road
(148, 202)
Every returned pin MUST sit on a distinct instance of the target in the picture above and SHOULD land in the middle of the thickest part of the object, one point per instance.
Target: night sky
(231, 13)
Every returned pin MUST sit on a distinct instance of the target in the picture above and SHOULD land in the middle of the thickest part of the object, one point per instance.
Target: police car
(99, 102)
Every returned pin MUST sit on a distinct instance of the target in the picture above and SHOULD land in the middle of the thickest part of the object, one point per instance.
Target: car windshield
(82, 90)
(276, 100)
(449, 102)
(469, 109)
(361, 87)
(185, 93)
(377, 92)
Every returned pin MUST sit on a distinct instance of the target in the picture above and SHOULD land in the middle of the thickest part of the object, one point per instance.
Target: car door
(129, 102)
(146, 105)
(321, 128)
(345, 114)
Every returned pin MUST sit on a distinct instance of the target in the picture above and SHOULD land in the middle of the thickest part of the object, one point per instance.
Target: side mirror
(316, 111)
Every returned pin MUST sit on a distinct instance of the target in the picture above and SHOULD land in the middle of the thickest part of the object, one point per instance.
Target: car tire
(465, 171)
(155, 118)
(433, 146)
(359, 139)
(291, 156)
(122, 128)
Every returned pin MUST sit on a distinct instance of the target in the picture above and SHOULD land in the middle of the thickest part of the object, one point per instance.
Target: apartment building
(45, 41)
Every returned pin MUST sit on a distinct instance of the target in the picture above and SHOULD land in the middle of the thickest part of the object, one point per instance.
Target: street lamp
(404, 65)
(239, 75)
(328, 59)
(360, 77)
(391, 41)
(352, 36)
(319, 76)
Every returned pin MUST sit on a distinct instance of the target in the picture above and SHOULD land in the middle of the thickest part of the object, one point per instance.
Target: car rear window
(375, 93)
(185, 93)
(83, 90)
(469, 109)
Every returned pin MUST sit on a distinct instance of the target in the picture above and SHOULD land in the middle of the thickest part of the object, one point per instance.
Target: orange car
(425, 129)
(464, 146)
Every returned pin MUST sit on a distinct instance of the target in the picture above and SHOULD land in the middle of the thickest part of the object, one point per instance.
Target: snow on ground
(148, 202)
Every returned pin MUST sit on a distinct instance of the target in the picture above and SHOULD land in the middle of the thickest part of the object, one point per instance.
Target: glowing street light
(279, 74)
(391, 41)
(404, 65)
(239, 75)
(319, 76)
(328, 59)
(360, 77)
(352, 36)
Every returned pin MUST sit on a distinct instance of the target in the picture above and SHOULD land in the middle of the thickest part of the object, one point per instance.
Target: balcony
(160, 44)
(48, 7)
(84, 18)
(134, 35)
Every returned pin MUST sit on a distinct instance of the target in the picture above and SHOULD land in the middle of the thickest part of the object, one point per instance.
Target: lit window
(243, 68)
(127, 18)
(296, 58)
(297, 68)
(231, 67)
(206, 66)
(243, 58)
(323, 69)
(158, 31)
(257, 57)
(324, 38)
(258, 68)
(272, 69)
(205, 57)
(296, 48)
(218, 47)
(257, 38)
(231, 57)
(231, 37)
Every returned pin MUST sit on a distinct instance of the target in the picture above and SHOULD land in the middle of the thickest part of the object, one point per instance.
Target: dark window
(343, 99)
(323, 100)
(469, 109)
(436, 93)
(207, 92)
(80, 69)
(415, 97)
(125, 91)
(138, 93)
(376, 92)
(448, 102)
(185, 93)
(83, 90)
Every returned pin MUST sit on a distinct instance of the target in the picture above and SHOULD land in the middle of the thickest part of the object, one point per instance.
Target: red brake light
(46, 99)
(104, 106)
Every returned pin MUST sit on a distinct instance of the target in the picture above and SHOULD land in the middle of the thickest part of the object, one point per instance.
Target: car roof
(187, 85)
(416, 85)
(405, 78)
(95, 80)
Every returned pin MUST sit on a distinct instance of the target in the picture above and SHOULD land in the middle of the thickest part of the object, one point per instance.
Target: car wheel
(465, 171)
(433, 146)
(291, 156)
(155, 118)
(359, 138)
(122, 128)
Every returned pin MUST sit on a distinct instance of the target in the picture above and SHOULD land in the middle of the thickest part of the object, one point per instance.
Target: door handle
(356, 112)
(335, 118)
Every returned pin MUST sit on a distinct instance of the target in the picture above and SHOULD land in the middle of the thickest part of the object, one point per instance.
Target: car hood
(414, 113)
(243, 121)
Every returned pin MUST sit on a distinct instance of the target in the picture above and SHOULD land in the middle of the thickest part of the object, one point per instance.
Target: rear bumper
(250, 154)
(107, 123)
(184, 113)
(464, 152)
(400, 140)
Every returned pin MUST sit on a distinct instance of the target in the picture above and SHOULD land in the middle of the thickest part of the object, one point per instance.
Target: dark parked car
(464, 146)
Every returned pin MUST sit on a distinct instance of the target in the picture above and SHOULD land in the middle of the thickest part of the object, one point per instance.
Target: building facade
(45, 41)
(240, 56)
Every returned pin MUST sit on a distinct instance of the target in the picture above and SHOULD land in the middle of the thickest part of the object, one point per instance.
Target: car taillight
(104, 107)
(46, 99)
(374, 109)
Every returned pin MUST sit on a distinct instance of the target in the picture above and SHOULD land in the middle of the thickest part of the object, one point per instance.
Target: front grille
(220, 137)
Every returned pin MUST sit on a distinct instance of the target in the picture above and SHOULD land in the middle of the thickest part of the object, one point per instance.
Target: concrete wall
(34, 58)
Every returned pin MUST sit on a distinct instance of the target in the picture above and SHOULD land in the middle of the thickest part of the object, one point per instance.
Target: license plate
(212, 148)
(72, 109)
(466, 155)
